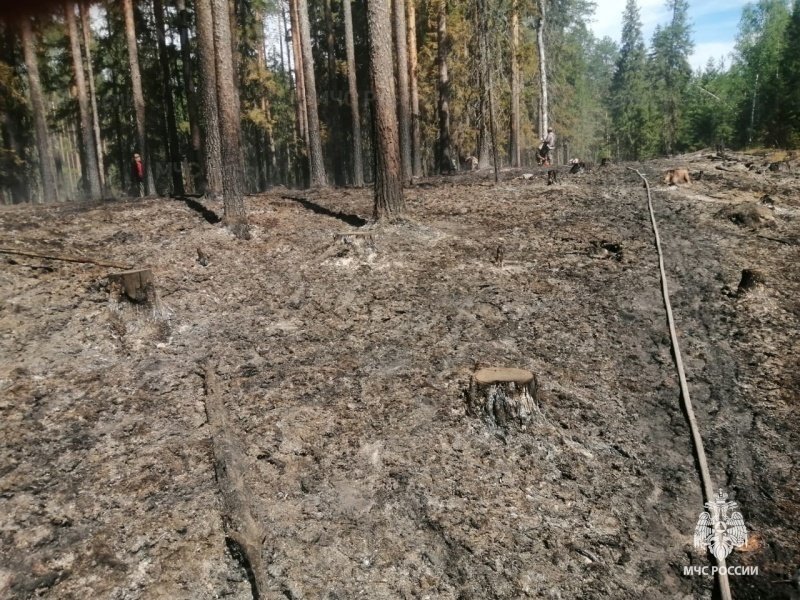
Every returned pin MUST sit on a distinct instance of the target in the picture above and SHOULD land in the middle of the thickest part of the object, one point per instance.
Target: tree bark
(235, 217)
(413, 74)
(169, 101)
(98, 138)
(443, 159)
(188, 83)
(91, 175)
(388, 177)
(208, 87)
(299, 70)
(47, 165)
(358, 157)
(316, 164)
(542, 68)
(403, 95)
(138, 94)
(515, 91)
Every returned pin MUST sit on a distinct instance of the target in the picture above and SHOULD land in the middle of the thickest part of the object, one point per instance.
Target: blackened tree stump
(504, 397)
(751, 278)
(138, 286)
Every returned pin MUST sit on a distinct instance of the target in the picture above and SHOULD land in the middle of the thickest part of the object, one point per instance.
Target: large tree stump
(138, 286)
(503, 396)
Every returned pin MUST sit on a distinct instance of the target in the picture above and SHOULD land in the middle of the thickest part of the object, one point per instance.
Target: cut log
(243, 530)
(138, 286)
(503, 397)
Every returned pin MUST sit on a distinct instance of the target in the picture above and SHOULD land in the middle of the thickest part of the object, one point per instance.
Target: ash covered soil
(343, 362)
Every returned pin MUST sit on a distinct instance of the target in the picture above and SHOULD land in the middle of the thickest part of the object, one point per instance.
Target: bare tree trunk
(188, 83)
(542, 67)
(413, 73)
(316, 163)
(299, 71)
(443, 159)
(388, 177)
(487, 54)
(333, 102)
(91, 175)
(47, 165)
(229, 122)
(358, 158)
(484, 147)
(98, 139)
(208, 86)
(138, 95)
(269, 139)
(515, 92)
(403, 96)
(169, 101)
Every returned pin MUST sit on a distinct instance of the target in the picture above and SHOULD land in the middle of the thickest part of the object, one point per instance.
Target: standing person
(548, 143)
(137, 174)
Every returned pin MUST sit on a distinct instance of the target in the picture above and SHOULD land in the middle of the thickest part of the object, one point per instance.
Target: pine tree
(388, 171)
(358, 159)
(671, 73)
(316, 163)
(629, 88)
(790, 78)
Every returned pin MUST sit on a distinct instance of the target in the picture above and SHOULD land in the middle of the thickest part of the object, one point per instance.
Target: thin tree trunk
(413, 73)
(333, 101)
(316, 164)
(403, 95)
(98, 138)
(208, 86)
(388, 177)
(91, 175)
(358, 157)
(269, 138)
(484, 147)
(195, 150)
(138, 94)
(443, 159)
(299, 70)
(47, 165)
(169, 101)
(515, 92)
(229, 122)
(487, 54)
(542, 67)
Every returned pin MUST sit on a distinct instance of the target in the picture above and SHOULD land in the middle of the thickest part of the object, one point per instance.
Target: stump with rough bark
(504, 397)
(138, 286)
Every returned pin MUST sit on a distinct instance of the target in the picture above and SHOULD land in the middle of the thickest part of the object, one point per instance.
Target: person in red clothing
(137, 174)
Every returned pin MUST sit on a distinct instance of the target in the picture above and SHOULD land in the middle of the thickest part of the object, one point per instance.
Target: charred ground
(343, 364)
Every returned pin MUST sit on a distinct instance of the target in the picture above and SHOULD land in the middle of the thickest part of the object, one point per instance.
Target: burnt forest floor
(342, 362)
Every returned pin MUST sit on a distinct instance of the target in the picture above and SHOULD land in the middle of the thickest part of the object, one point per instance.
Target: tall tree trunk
(484, 146)
(443, 159)
(358, 157)
(403, 96)
(91, 174)
(47, 165)
(487, 56)
(542, 67)
(138, 95)
(269, 138)
(98, 138)
(333, 101)
(229, 122)
(195, 149)
(208, 86)
(299, 70)
(413, 74)
(169, 101)
(316, 164)
(388, 176)
(515, 92)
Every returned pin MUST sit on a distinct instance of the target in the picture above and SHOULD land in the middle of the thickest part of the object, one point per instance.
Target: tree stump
(503, 397)
(138, 286)
(750, 279)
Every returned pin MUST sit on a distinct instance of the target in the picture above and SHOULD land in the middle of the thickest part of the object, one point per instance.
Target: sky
(714, 24)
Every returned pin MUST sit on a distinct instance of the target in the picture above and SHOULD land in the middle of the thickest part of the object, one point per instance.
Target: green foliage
(789, 70)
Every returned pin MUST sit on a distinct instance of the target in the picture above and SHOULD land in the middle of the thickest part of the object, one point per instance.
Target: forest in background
(466, 72)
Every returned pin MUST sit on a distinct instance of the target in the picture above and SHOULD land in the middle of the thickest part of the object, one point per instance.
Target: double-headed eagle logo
(720, 528)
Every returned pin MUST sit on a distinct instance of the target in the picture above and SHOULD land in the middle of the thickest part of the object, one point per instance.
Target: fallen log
(61, 257)
(243, 532)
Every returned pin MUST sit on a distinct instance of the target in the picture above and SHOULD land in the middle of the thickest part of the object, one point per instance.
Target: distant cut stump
(138, 286)
(751, 279)
(503, 396)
